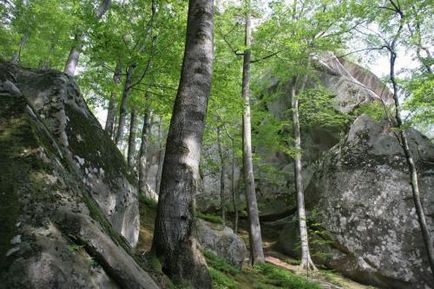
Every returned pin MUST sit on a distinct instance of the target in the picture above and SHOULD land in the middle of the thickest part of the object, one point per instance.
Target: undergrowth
(264, 276)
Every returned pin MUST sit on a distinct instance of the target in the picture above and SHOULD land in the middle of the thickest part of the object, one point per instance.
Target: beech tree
(256, 250)
(174, 244)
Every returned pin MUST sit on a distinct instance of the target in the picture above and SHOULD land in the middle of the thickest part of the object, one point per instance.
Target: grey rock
(67, 239)
(56, 99)
(222, 241)
(364, 200)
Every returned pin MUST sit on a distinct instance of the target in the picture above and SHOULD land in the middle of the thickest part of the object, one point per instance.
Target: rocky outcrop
(350, 85)
(222, 241)
(56, 99)
(68, 210)
(364, 201)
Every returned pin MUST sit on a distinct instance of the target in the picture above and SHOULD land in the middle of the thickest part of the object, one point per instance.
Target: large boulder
(56, 99)
(222, 241)
(364, 201)
(56, 230)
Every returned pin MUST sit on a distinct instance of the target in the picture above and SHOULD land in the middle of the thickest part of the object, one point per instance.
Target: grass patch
(282, 278)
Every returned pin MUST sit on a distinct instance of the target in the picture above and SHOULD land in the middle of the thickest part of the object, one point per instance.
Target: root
(308, 265)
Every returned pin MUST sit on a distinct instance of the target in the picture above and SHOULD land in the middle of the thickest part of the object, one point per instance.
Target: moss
(98, 215)
(99, 150)
(17, 147)
(210, 218)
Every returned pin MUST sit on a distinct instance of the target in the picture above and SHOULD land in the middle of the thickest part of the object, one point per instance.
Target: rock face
(364, 200)
(350, 84)
(222, 241)
(68, 212)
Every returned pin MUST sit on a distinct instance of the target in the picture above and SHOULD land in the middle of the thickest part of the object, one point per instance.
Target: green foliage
(283, 278)
(74, 248)
(317, 109)
(420, 103)
(220, 264)
(265, 276)
(375, 110)
(150, 203)
(221, 281)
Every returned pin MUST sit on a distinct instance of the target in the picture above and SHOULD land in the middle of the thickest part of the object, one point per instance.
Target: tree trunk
(142, 167)
(111, 111)
(160, 159)
(74, 54)
(174, 243)
(233, 188)
(256, 251)
(132, 141)
(306, 260)
(428, 241)
(222, 177)
(123, 108)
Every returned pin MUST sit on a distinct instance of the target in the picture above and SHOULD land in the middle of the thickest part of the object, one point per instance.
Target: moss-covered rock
(54, 230)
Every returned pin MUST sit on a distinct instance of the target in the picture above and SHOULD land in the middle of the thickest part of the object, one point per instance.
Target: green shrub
(374, 110)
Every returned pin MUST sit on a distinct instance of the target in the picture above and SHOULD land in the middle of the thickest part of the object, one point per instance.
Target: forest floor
(279, 272)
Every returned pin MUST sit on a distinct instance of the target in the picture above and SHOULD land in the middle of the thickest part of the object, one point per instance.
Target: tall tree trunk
(111, 111)
(74, 54)
(256, 251)
(160, 159)
(233, 188)
(306, 260)
(143, 155)
(174, 243)
(222, 177)
(427, 238)
(132, 140)
(123, 107)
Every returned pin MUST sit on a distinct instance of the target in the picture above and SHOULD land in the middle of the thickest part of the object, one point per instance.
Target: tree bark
(74, 54)
(256, 251)
(111, 111)
(234, 193)
(222, 177)
(160, 159)
(123, 108)
(306, 260)
(132, 141)
(174, 244)
(142, 167)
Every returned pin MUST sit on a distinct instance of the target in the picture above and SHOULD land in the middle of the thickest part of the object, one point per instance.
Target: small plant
(74, 248)
(147, 202)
